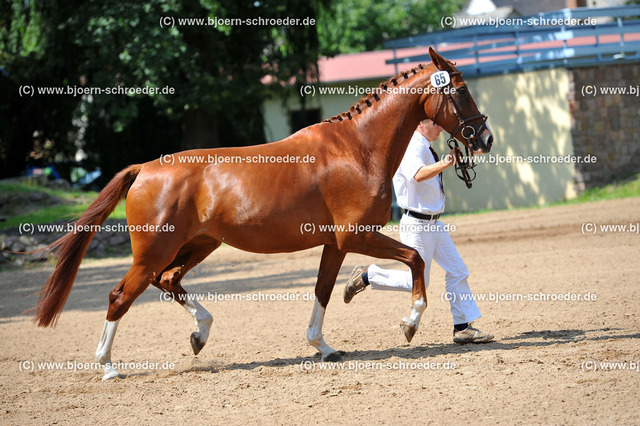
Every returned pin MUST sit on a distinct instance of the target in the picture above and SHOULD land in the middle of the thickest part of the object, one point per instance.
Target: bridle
(465, 165)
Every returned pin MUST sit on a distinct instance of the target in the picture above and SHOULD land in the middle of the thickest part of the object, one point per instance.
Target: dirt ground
(549, 362)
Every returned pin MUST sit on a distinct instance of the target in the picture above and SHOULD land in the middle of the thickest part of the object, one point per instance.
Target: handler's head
(429, 129)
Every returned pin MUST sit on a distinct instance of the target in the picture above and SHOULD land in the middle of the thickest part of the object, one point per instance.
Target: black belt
(421, 216)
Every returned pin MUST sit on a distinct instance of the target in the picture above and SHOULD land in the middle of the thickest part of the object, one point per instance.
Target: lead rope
(465, 165)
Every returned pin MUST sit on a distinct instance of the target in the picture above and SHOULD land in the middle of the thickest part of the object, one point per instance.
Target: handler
(420, 192)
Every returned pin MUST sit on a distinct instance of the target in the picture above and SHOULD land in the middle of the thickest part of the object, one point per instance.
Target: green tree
(216, 73)
(348, 27)
(23, 59)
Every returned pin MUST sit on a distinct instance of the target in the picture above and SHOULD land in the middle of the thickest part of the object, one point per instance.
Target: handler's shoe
(355, 284)
(471, 335)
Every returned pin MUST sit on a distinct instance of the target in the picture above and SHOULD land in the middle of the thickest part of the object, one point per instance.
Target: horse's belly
(274, 238)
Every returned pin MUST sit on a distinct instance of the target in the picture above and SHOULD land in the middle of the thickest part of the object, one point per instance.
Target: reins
(465, 164)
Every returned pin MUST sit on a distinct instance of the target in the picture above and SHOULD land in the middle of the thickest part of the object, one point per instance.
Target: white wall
(276, 115)
(529, 115)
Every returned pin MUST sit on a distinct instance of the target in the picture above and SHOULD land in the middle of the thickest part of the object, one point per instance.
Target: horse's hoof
(196, 343)
(333, 357)
(408, 328)
(110, 374)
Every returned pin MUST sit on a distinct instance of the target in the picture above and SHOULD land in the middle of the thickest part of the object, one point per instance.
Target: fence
(483, 50)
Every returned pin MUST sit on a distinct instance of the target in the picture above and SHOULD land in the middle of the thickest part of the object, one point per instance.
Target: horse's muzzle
(485, 140)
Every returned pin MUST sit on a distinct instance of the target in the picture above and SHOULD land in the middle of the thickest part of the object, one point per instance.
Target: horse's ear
(438, 60)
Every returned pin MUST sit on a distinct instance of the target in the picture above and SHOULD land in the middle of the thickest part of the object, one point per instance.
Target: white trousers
(433, 244)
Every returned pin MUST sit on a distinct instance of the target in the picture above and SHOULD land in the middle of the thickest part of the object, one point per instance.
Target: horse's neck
(388, 130)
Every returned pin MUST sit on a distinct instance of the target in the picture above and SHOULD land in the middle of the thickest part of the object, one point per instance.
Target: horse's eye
(462, 90)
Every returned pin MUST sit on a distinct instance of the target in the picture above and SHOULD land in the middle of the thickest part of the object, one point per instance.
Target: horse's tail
(70, 248)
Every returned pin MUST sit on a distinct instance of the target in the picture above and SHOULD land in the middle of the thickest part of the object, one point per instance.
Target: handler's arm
(432, 170)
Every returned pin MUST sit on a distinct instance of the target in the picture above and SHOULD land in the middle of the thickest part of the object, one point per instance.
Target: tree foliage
(217, 73)
(364, 25)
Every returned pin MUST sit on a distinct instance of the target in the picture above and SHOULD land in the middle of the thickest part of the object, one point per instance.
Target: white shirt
(424, 197)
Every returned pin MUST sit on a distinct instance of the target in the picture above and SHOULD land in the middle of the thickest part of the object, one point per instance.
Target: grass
(81, 201)
(78, 201)
(16, 188)
(626, 189)
(56, 213)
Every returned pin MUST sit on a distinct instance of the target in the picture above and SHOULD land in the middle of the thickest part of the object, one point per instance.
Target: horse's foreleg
(329, 267)
(381, 246)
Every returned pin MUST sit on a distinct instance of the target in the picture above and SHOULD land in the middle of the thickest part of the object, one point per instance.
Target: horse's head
(454, 109)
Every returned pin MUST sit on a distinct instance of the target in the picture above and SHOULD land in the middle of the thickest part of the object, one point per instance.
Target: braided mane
(366, 101)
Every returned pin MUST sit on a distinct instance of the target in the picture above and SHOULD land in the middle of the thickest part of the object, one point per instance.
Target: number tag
(440, 79)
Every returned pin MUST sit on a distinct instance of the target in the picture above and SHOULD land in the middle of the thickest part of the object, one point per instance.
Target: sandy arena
(553, 361)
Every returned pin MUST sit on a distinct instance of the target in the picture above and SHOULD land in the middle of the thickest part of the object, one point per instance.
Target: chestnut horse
(262, 207)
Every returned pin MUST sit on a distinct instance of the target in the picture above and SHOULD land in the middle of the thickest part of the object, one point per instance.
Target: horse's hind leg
(329, 267)
(120, 299)
(168, 281)
(103, 352)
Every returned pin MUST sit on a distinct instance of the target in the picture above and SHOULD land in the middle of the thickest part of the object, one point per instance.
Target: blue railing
(516, 42)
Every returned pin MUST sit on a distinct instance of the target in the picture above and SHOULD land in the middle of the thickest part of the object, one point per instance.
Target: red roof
(372, 66)
(364, 66)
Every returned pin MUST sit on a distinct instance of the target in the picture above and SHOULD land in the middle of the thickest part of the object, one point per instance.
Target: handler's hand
(450, 159)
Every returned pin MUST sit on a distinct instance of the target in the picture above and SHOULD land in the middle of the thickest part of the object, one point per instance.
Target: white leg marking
(202, 317)
(416, 313)
(103, 353)
(314, 332)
